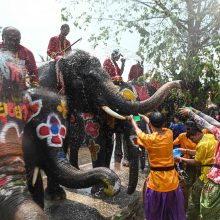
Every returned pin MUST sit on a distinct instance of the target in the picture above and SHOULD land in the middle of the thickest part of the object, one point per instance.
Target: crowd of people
(196, 135)
(191, 190)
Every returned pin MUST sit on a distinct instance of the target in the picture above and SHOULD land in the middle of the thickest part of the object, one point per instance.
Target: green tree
(180, 37)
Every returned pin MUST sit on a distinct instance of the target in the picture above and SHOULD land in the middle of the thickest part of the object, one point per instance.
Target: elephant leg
(109, 148)
(74, 156)
(125, 161)
(54, 191)
(118, 147)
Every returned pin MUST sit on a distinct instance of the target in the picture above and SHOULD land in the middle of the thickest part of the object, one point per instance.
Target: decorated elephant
(33, 129)
(94, 101)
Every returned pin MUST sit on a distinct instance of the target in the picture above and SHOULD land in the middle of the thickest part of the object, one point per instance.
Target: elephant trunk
(62, 172)
(122, 106)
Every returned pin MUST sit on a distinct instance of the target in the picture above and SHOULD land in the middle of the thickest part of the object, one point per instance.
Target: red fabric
(142, 92)
(30, 63)
(135, 71)
(111, 68)
(54, 46)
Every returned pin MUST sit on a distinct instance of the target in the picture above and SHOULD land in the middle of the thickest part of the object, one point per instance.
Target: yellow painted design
(62, 108)
(13, 110)
(94, 149)
(3, 109)
(128, 94)
(18, 112)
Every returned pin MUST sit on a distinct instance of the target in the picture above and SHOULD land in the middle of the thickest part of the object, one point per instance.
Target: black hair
(9, 28)
(192, 128)
(156, 119)
(64, 26)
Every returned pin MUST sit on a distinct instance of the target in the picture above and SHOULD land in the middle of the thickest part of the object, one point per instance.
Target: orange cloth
(160, 154)
(185, 143)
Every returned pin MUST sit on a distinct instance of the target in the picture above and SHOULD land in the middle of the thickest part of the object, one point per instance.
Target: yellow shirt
(205, 151)
(160, 154)
(185, 143)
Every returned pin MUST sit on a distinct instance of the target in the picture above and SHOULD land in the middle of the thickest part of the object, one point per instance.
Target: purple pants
(164, 205)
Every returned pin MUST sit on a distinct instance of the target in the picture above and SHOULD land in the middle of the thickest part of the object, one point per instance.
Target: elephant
(94, 101)
(33, 129)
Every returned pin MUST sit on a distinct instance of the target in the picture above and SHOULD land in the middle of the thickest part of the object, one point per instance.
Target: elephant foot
(125, 163)
(56, 193)
(118, 158)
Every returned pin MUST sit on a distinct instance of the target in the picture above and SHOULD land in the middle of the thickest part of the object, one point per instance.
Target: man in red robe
(136, 71)
(59, 45)
(111, 66)
(11, 37)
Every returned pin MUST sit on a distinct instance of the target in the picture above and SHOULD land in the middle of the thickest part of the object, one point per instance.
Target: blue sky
(38, 20)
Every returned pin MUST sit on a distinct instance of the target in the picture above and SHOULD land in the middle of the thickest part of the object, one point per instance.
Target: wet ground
(82, 205)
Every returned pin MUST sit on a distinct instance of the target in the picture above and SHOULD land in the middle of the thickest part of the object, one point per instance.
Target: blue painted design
(54, 129)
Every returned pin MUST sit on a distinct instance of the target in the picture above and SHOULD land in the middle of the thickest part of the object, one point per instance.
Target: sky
(39, 20)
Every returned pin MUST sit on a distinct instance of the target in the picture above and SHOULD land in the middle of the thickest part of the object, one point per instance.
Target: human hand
(146, 119)
(129, 117)
(185, 110)
(177, 159)
(183, 150)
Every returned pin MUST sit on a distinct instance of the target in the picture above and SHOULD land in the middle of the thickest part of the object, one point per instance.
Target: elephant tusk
(34, 179)
(113, 113)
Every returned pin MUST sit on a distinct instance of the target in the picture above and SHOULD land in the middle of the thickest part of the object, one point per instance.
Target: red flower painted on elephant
(87, 116)
(133, 139)
(3, 181)
(53, 130)
(3, 120)
(92, 129)
(33, 107)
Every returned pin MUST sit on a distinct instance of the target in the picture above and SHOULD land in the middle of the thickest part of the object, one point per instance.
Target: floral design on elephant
(94, 149)
(133, 139)
(33, 107)
(92, 129)
(87, 116)
(53, 130)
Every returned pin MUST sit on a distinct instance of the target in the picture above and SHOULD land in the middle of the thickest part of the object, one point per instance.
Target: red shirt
(55, 46)
(111, 68)
(30, 63)
(135, 71)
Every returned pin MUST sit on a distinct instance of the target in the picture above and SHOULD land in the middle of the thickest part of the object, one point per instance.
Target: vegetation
(179, 38)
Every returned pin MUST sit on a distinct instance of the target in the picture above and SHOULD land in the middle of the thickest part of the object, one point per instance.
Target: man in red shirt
(11, 37)
(111, 66)
(59, 45)
(136, 71)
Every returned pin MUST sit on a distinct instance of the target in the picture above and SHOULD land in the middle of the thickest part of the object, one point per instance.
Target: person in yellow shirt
(191, 172)
(204, 157)
(163, 197)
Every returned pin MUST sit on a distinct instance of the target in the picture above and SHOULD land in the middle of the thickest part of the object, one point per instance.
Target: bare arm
(134, 124)
(199, 120)
(207, 118)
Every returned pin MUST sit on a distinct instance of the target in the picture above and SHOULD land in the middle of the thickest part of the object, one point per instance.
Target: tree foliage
(180, 37)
